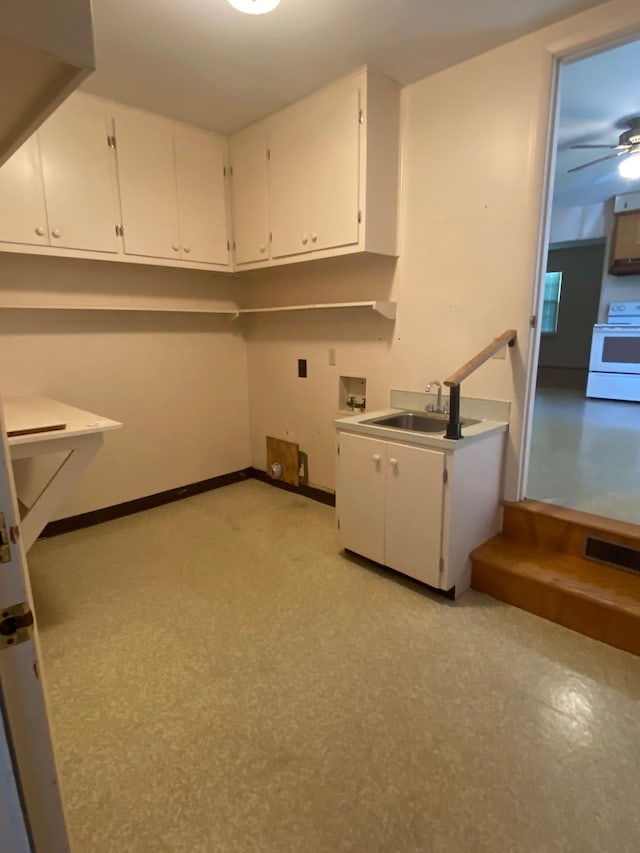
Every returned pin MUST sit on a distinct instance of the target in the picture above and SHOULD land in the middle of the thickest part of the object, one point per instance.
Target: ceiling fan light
(254, 7)
(630, 167)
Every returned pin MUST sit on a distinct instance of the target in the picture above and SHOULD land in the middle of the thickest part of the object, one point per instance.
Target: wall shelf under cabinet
(383, 309)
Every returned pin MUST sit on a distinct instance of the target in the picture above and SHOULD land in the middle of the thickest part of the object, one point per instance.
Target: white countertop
(473, 432)
(43, 419)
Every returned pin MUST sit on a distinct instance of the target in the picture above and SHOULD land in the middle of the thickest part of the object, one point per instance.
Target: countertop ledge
(473, 433)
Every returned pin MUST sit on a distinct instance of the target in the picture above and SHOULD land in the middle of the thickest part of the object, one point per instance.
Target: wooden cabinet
(59, 188)
(172, 191)
(625, 245)
(248, 157)
(332, 175)
(418, 509)
(390, 503)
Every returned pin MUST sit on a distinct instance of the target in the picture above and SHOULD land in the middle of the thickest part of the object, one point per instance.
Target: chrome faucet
(438, 406)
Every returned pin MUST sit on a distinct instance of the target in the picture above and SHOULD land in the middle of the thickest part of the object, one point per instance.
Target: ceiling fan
(628, 143)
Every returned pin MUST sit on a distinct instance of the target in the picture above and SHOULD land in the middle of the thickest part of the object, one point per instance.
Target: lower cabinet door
(360, 495)
(413, 511)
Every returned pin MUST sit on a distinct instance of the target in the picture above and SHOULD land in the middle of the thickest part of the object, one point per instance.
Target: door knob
(305, 239)
(187, 249)
(393, 462)
(40, 231)
(175, 247)
(263, 248)
(56, 232)
(376, 457)
(314, 237)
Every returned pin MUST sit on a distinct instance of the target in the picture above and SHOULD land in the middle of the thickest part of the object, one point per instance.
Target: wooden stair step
(591, 598)
(562, 529)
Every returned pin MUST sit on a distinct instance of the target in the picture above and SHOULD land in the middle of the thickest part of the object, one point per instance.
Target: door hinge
(234, 245)
(5, 552)
(533, 321)
(111, 141)
(441, 567)
(227, 170)
(16, 625)
(338, 450)
(338, 523)
(270, 237)
(361, 117)
(268, 154)
(445, 476)
(119, 231)
(228, 246)
(359, 217)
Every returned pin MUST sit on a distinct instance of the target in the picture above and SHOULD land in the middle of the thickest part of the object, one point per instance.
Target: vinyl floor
(222, 678)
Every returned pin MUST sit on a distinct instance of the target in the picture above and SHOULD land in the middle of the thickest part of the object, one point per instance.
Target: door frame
(595, 37)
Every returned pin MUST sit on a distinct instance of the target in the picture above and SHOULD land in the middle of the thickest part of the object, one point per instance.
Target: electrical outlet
(332, 356)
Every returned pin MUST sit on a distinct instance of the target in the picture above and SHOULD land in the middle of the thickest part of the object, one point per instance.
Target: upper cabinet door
(290, 145)
(146, 172)
(79, 180)
(23, 215)
(201, 199)
(335, 166)
(248, 154)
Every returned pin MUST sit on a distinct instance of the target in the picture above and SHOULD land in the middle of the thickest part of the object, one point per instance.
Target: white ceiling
(596, 95)
(203, 62)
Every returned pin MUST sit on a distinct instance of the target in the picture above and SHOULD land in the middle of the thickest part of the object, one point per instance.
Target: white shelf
(384, 309)
(230, 312)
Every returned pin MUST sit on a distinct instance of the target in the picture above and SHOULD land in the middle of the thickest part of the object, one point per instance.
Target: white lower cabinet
(390, 504)
(416, 509)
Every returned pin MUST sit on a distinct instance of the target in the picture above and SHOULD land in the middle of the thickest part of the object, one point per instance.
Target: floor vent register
(619, 556)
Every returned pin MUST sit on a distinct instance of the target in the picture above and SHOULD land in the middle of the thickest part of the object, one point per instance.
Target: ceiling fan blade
(593, 162)
(598, 146)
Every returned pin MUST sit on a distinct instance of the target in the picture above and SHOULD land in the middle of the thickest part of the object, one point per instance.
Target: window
(551, 303)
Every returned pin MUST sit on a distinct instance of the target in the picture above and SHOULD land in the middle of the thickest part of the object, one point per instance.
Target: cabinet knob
(175, 247)
(56, 232)
(40, 231)
(263, 248)
(393, 462)
(187, 249)
(376, 458)
(305, 239)
(314, 237)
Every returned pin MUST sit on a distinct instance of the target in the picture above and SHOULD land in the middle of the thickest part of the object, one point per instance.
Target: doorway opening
(585, 437)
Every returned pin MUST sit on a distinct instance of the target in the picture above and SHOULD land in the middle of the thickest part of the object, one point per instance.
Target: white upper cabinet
(172, 191)
(333, 173)
(248, 157)
(200, 172)
(78, 173)
(148, 192)
(23, 213)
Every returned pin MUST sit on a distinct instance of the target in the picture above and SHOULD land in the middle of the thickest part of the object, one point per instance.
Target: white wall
(586, 222)
(177, 382)
(475, 139)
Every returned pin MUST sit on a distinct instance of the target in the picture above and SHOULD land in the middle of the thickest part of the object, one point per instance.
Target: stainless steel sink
(417, 421)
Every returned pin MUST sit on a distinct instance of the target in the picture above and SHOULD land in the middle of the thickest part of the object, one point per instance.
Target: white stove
(614, 366)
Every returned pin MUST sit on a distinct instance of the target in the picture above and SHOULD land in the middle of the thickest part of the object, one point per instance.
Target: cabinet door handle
(175, 247)
(263, 248)
(56, 232)
(187, 249)
(393, 462)
(40, 231)
(314, 237)
(376, 458)
(305, 239)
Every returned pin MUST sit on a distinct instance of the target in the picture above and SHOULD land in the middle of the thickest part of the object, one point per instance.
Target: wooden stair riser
(589, 617)
(566, 535)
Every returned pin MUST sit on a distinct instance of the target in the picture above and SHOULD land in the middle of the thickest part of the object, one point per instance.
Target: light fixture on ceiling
(254, 7)
(630, 167)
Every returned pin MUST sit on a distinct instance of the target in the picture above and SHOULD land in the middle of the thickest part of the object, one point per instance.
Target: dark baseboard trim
(110, 513)
(319, 495)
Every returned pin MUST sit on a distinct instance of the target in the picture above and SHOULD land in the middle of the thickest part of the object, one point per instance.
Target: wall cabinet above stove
(625, 244)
